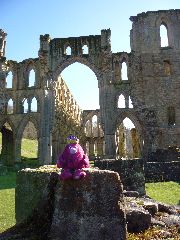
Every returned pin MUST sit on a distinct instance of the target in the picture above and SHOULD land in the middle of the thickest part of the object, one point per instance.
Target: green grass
(167, 192)
(29, 148)
(7, 200)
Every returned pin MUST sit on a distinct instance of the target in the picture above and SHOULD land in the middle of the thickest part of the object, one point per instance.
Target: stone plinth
(91, 208)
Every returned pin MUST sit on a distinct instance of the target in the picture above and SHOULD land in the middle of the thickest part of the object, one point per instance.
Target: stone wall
(47, 208)
(131, 172)
(162, 171)
(152, 84)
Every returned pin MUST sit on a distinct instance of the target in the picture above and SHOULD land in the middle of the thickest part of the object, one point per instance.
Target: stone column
(45, 155)
(17, 150)
(7, 152)
(100, 147)
(91, 148)
(110, 146)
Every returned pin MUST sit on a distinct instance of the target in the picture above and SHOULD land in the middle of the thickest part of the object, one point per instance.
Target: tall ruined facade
(152, 84)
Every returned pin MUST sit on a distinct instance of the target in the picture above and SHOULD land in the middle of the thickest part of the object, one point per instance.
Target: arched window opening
(167, 68)
(9, 80)
(79, 79)
(88, 128)
(29, 145)
(124, 71)
(68, 51)
(171, 116)
(34, 105)
(121, 101)
(32, 78)
(127, 140)
(128, 123)
(10, 107)
(25, 106)
(164, 35)
(130, 103)
(94, 126)
(85, 49)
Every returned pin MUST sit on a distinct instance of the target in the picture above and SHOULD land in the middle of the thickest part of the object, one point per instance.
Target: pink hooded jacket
(73, 157)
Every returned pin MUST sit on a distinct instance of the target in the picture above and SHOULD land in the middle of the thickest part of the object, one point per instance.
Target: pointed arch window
(94, 126)
(34, 105)
(32, 78)
(9, 80)
(130, 103)
(88, 128)
(85, 49)
(164, 35)
(25, 106)
(121, 101)
(68, 50)
(10, 107)
(124, 71)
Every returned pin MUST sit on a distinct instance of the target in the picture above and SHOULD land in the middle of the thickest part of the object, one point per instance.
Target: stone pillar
(45, 141)
(110, 146)
(100, 147)
(7, 153)
(91, 147)
(135, 143)
(17, 150)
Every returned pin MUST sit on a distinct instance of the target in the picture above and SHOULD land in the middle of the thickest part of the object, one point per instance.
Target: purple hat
(71, 137)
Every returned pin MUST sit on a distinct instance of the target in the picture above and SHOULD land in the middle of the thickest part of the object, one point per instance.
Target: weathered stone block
(91, 208)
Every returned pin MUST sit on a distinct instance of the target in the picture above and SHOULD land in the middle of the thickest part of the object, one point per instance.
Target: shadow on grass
(8, 175)
(8, 181)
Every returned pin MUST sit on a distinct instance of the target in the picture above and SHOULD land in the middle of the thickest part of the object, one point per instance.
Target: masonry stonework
(153, 85)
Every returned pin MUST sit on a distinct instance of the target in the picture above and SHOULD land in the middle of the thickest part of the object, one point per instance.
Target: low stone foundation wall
(47, 208)
(162, 171)
(131, 172)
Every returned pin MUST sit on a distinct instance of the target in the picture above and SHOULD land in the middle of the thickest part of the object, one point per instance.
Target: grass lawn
(29, 148)
(167, 192)
(7, 200)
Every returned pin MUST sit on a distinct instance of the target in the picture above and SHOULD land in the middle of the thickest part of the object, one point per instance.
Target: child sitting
(72, 160)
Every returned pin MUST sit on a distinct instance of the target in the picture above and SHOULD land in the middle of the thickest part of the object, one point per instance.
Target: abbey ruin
(151, 92)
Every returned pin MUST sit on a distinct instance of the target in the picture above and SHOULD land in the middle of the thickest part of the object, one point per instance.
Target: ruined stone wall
(68, 118)
(162, 171)
(152, 84)
(131, 172)
(155, 75)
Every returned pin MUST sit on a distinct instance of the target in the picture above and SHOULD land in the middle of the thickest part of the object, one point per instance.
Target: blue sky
(25, 21)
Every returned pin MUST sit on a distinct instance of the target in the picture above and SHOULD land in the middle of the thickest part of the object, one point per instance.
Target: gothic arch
(130, 114)
(70, 60)
(23, 124)
(29, 66)
(164, 20)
